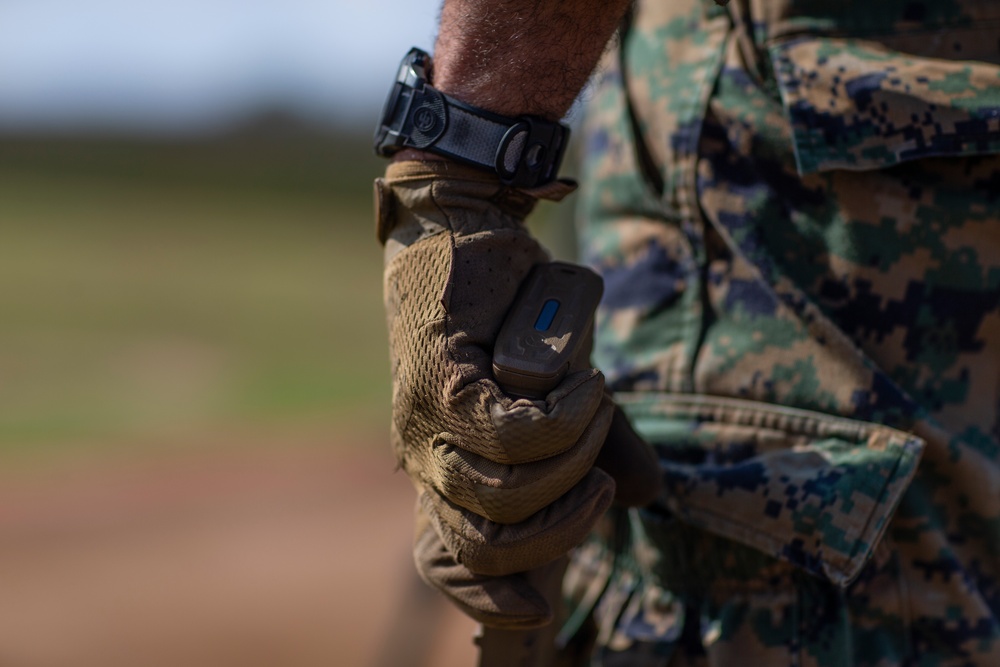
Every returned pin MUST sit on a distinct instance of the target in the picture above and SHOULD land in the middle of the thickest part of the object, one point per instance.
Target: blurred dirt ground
(190, 327)
(288, 552)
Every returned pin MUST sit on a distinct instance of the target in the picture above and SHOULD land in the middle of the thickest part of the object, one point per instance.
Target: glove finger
(483, 420)
(486, 547)
(510, 601)
(532, 430)
(511, 493)
(631, 462)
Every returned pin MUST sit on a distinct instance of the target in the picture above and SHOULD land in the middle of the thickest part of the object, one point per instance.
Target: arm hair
(522, 56)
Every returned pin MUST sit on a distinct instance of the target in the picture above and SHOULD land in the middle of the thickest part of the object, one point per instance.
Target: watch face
(389, 136)
(383, 131)
(413, 71)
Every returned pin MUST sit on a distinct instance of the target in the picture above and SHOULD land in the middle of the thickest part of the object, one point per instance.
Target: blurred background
(194, 391)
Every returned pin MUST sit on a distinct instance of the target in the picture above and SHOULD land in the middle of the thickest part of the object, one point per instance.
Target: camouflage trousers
(796, 212)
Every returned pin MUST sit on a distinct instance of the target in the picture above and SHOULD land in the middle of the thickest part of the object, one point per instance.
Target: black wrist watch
(524, 152)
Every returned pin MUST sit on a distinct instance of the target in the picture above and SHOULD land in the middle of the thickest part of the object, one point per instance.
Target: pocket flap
(815, 490)
(856, 104)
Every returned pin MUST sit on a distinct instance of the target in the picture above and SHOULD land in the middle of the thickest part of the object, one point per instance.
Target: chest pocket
(859, 105)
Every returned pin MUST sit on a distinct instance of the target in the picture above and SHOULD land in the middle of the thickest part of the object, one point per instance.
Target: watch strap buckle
(531, 152)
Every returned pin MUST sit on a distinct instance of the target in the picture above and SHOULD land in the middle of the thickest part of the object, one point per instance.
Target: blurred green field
(155, 290)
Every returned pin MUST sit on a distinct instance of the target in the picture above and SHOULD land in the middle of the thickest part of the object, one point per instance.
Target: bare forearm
(522, 56)
(519, 57)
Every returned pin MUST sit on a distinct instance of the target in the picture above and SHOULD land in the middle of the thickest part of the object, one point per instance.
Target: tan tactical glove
(505, 485)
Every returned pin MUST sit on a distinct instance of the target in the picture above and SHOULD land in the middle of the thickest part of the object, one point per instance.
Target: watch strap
(525, 151)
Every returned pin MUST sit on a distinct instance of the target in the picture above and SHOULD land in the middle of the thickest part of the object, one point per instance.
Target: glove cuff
(419, 169)
(407, 182)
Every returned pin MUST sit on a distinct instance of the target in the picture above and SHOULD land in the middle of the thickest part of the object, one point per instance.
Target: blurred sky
(181, 65)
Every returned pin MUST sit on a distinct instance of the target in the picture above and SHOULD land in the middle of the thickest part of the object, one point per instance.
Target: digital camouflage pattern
(795, 206)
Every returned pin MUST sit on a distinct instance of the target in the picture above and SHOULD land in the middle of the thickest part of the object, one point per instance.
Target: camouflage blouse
(795, 206)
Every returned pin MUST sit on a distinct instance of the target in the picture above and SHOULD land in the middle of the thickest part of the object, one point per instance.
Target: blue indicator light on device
(549, 310)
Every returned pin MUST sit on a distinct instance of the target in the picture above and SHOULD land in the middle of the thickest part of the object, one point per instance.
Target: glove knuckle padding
(510, 493)
(529, 431)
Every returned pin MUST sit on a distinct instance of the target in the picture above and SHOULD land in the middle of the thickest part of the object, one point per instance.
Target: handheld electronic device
(548, 323)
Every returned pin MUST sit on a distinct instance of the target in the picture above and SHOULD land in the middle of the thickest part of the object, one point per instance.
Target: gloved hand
(505, 485)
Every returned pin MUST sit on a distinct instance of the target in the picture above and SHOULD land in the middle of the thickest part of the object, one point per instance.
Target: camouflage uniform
(795, 206)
